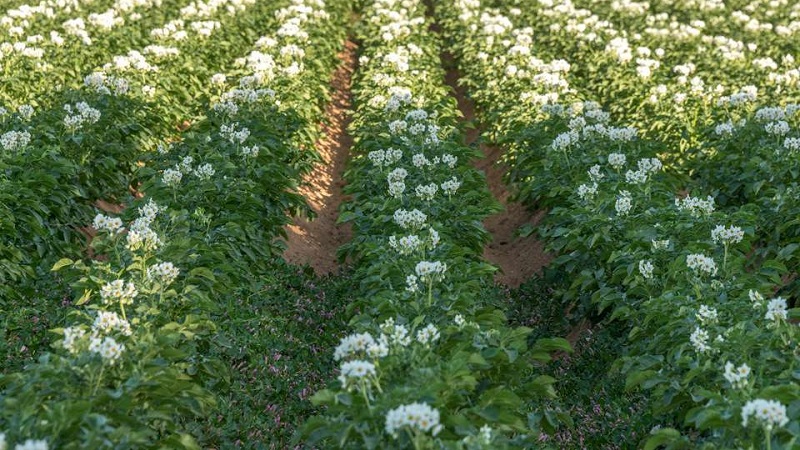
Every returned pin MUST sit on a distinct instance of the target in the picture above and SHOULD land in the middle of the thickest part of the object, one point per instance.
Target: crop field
(399, 224)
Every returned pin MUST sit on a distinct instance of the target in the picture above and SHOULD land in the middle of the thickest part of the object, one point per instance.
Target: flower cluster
(15, 141)
(356, 371)
(727, 236)
(697, 207)
(80, 115)
(163, 273)
(701, 264)
(233, 133)
(118, 291)
(767, 413)
(111, 225)
(413, 220)
(429, 271)
(776, 309)
(415, 417)
(737, 376)
(624, 203)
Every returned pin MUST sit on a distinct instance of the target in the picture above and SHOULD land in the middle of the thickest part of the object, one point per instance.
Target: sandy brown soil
(109, 208)
(518, 258)
(315, 242)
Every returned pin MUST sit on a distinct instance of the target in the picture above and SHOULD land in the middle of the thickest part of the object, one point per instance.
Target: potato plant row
(704, 287)
(60, 162)
(430, 363)
(131, 366)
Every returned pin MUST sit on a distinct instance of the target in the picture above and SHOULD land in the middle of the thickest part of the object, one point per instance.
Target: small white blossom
(416, 416)
(32, 444)
(449, 160)
(142, 238)
(725, 129)
(649, 165)
(398, 126)
(219, 79)
(118, 291)
(699, 340)
(587, 192)
(419, 160)
(776, 309)
(779, 128)
(697, 207)
(250, 152)
(71, 337)
(706, 314)
(646, 269)
(80, 115)
(25, 112)
(14, 141)
(108, 321)
(659, 244)
(426, 192)
(233, 134)
(108, 348)
(204, 171)
(755, 297)
(595, 174)
(412, 283)
(356, 371)
(450, 186)
(112, 225)
(149, 211)
(354, 344)
(378, 350)
(406, 245)
(378, 157)
(636, 177)
(701, 264)
(394, 334)
(172, 177)
(768, 413)
(428, 335)
(623, 205)
(429, 271)
(564, 141)
(729, 235)
(792, 144)
(396, 189)
(413, 219)
(397, 175)
(617, 160)
(163, 273)
(736, 376)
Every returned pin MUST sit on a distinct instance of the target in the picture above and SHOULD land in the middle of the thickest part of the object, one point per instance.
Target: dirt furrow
(518, 258)
(314, 242)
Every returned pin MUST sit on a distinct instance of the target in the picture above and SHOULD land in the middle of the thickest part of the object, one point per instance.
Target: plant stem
(364, 394)
(97, 382)
(725, 259)
(769, 438)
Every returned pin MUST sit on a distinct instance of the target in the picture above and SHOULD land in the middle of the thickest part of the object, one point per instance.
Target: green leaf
(203, 272)
(552, 344)
(61, 263)
(323, 397)
(664, 436)
(788, 251)
(637, 378)
(87, 294)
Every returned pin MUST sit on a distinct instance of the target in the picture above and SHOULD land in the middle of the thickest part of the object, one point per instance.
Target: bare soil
(518, 258)
(314, 242)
